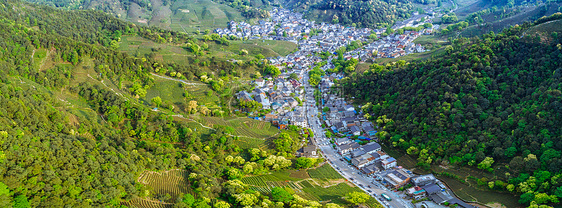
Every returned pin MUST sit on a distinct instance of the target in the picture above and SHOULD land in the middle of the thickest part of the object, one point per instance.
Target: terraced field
(172, 182)
(190, 16)
(263, 185)
(324, 172)
(320, 186)
(147, 203)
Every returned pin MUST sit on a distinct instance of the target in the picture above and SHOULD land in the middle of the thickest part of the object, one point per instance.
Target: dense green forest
(373, 13)
(89, 153)
(490, 102)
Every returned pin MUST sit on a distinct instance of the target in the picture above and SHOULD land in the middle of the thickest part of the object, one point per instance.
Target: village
(283, 95)
(354, 139)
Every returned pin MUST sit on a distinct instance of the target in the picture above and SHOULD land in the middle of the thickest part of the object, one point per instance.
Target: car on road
(370, 191)
(369, 186)
(361, 185)
(352, 180)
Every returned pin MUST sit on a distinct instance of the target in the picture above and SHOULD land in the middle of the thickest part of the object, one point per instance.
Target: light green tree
(486, 163)
(222, 204)
(157, 101)
(357, 197)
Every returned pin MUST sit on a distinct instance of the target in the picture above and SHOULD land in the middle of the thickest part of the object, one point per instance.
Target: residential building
(371, 147)
(416, 193)
(424, 180)
(308, 151)
(388, 163)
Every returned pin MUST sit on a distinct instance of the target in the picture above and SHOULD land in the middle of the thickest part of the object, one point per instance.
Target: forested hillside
(490, 102)
(371, 13)
(73, 131)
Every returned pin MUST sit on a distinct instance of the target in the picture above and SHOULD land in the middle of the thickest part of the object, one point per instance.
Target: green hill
(490, 102)
(77, 125)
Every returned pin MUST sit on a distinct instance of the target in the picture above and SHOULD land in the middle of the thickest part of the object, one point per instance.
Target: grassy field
(411, 57)
(141, 47)
(547, 27)
(268, 48)
(38, 57)
(324, 172)
(173, 92)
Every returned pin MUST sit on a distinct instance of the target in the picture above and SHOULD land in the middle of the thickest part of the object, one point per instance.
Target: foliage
(357, 197)
(304, 163)
(360, 13)
(485, 97)
(281, 195)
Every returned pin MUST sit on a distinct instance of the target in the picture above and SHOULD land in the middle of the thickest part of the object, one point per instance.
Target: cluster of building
(391, 46)
(289, 26)
(282, 96)
(372, 161)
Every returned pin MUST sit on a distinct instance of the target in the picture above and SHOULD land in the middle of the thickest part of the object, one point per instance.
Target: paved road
(346, 170)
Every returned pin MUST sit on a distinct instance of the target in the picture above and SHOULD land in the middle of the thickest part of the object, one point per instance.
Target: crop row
(143, 203)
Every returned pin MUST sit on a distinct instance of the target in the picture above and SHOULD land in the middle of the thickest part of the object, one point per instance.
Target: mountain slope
(74, 130)
(372, 13)
(498, 97)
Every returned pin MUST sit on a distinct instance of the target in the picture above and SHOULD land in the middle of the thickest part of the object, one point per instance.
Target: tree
(245, 199)
(5, 195)
(510, 187)
(329, 134)
(272, 70)
(284, 143)
(542, 198)
(332, 205)
(191, 107)
(243, 52)
(20, 201)
(357, 198)
(304, 162)
(486, 163)
(526, 198)
(157, 101)
(222, 204)
(281, 195)
(293, 76)
(510, 152)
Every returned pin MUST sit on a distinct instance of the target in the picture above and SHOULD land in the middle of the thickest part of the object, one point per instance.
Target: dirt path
(177, 80)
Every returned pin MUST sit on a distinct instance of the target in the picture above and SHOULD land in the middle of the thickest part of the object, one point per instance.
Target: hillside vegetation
(76, 128)
(489, 102)
(371, 13)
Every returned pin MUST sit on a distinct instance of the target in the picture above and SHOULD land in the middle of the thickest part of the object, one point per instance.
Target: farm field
(523, 13)
(173, 92)
(268, 48)
(171, 183)
(141, 47)
(191, 16)
(320, 188)
(324, 172)
(547, 27)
